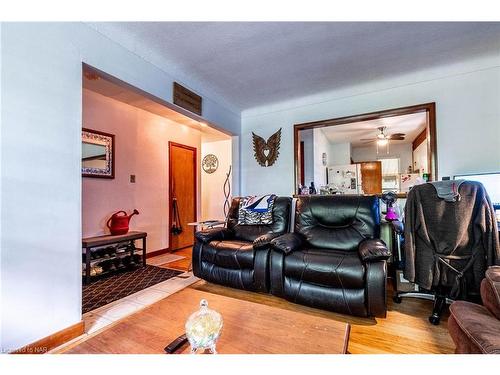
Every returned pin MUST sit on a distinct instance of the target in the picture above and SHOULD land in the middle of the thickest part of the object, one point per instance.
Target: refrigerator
(344, 179)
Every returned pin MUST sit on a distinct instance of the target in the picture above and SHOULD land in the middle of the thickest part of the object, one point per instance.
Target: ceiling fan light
(382, 142)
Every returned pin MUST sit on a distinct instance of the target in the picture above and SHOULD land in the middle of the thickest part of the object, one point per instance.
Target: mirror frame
(429, 108)
(109, 139)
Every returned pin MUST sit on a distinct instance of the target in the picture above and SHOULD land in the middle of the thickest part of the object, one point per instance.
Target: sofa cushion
(332, 268)
(490, 290)
(241, 278)
(473, 329)
(229, 254)
(337, 222)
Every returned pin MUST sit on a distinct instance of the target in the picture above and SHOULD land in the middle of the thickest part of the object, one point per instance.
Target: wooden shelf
(120, 269)
(88, 244)
(120, 255)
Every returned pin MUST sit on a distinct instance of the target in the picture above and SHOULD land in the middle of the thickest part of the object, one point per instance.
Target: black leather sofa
(238, 255)
(334, 259)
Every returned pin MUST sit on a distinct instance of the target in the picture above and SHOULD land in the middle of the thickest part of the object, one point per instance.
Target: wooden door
(371, 177)
(182, 186)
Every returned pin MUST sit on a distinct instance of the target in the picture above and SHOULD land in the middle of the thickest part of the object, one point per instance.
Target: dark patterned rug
(114, 287)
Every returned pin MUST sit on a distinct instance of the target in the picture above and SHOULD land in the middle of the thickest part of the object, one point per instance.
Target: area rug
(118, 286)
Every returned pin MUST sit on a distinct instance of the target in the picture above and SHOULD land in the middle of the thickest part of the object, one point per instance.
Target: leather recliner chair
(238, 255)
(333, 260)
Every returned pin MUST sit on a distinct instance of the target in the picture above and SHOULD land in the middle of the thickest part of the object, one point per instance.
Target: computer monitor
(490, 181)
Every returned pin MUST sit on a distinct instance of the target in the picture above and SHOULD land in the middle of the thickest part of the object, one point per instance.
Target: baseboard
(53, 341)
(157, 252)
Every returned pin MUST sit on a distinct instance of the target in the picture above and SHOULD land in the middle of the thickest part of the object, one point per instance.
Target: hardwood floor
(181, 264)
(406, 329)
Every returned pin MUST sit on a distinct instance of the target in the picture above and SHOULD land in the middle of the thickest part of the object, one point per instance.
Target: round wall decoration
(210, 163)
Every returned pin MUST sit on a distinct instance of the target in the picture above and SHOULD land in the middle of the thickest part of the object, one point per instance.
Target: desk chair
(448, 244)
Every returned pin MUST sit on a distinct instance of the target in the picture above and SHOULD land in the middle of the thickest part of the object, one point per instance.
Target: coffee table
(249, 328)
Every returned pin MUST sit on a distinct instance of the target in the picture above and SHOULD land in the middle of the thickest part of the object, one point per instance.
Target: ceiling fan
(383, 138)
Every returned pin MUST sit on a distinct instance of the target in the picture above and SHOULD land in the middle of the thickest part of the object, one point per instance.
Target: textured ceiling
(248, 64)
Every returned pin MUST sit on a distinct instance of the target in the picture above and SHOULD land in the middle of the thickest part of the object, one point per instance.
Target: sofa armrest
(264, 241)
(213, 234)
(287, 243)
(373, 250)
(376, 292)
(490, 290)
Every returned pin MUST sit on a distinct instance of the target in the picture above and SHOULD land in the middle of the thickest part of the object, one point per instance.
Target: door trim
(301, 163)
(195, 187)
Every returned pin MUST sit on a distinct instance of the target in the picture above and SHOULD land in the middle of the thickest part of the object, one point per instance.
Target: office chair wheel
(434, 320)
(397, 299)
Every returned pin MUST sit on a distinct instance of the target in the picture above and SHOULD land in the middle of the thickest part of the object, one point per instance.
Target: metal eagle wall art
(266, 153)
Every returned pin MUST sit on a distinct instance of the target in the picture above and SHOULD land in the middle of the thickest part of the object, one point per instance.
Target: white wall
(467, 96)
(401, 151)
(315, 144)
(420, 158)
(307, 137)
(321, 145)
(1, 216)
(339, 153)
(41, 114)
(212, 184)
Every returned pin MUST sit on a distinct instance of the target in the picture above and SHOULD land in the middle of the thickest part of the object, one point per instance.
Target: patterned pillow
(256, 210)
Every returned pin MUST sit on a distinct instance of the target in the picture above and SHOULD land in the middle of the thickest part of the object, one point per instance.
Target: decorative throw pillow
(256, 210)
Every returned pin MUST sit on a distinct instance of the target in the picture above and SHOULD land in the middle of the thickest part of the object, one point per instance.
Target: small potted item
(203, 328)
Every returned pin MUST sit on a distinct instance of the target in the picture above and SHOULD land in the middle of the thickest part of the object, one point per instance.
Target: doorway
(144, 125)
(182, 195)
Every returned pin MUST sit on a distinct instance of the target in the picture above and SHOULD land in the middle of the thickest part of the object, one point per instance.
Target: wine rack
(105, 255)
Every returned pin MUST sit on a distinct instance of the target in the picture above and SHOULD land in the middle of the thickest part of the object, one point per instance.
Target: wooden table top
(249, 328)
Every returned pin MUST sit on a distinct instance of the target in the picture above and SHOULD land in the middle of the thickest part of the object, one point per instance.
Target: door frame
(170, 177)
(429, 108)
(302, 178)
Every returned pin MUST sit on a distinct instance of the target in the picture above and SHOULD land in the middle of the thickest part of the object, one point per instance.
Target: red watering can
(118, 222)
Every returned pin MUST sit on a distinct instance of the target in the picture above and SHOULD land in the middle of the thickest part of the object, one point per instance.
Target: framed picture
(98, 154)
